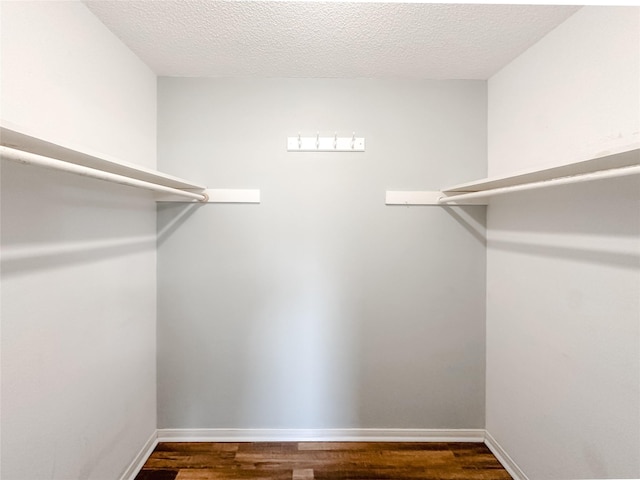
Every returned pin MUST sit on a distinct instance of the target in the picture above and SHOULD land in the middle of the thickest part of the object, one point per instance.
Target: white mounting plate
(325, 144)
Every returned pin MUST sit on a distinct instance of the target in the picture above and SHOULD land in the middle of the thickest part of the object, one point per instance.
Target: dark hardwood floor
(322, 461)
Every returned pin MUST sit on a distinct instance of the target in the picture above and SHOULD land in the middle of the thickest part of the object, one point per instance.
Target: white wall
(575, 93)
(68, 78)
(78, 255)
(321, 307)
(563, 268)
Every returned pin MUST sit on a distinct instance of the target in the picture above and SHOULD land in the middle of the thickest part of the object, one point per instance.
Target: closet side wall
(321, 307)
(78, 255)
(563, 264)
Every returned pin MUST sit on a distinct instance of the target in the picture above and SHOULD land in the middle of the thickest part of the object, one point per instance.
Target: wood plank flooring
(322, 461)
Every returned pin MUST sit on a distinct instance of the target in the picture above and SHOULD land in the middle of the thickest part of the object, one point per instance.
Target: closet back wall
(321, 307)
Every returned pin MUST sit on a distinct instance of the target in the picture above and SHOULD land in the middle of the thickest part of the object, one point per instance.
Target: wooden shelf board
(17, 137)
(625, 157)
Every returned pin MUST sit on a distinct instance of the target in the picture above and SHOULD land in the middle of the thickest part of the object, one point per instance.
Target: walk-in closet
(391, 234)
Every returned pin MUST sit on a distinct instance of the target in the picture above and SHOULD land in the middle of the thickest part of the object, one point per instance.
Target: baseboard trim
(503, 457)
(136, 465)
(320, 435)
(477, 435)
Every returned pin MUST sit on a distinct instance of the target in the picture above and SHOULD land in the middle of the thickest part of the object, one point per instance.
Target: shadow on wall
(299, 356)
(473, 220)
(171, 216)
(301, 345)
(23, 261)
(53, 219)
(596, 223)
(624, 260)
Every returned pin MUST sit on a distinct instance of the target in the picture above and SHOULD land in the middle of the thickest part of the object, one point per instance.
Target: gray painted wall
(78, 255)
(563, 264)
(563, 332)
(321, 307)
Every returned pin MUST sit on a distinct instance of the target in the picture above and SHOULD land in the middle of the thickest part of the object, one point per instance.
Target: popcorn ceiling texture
(192, 38)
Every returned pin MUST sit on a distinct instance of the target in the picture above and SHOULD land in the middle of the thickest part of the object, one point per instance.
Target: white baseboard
(477, 435)
(504, 458)
(318, 435)
(137, 463)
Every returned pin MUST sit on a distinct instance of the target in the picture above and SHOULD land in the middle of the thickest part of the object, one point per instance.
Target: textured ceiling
(194, 38)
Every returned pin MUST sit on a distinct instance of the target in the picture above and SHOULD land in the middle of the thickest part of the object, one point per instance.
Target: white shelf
(624, 157)
(20, 139)
(622, 162)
